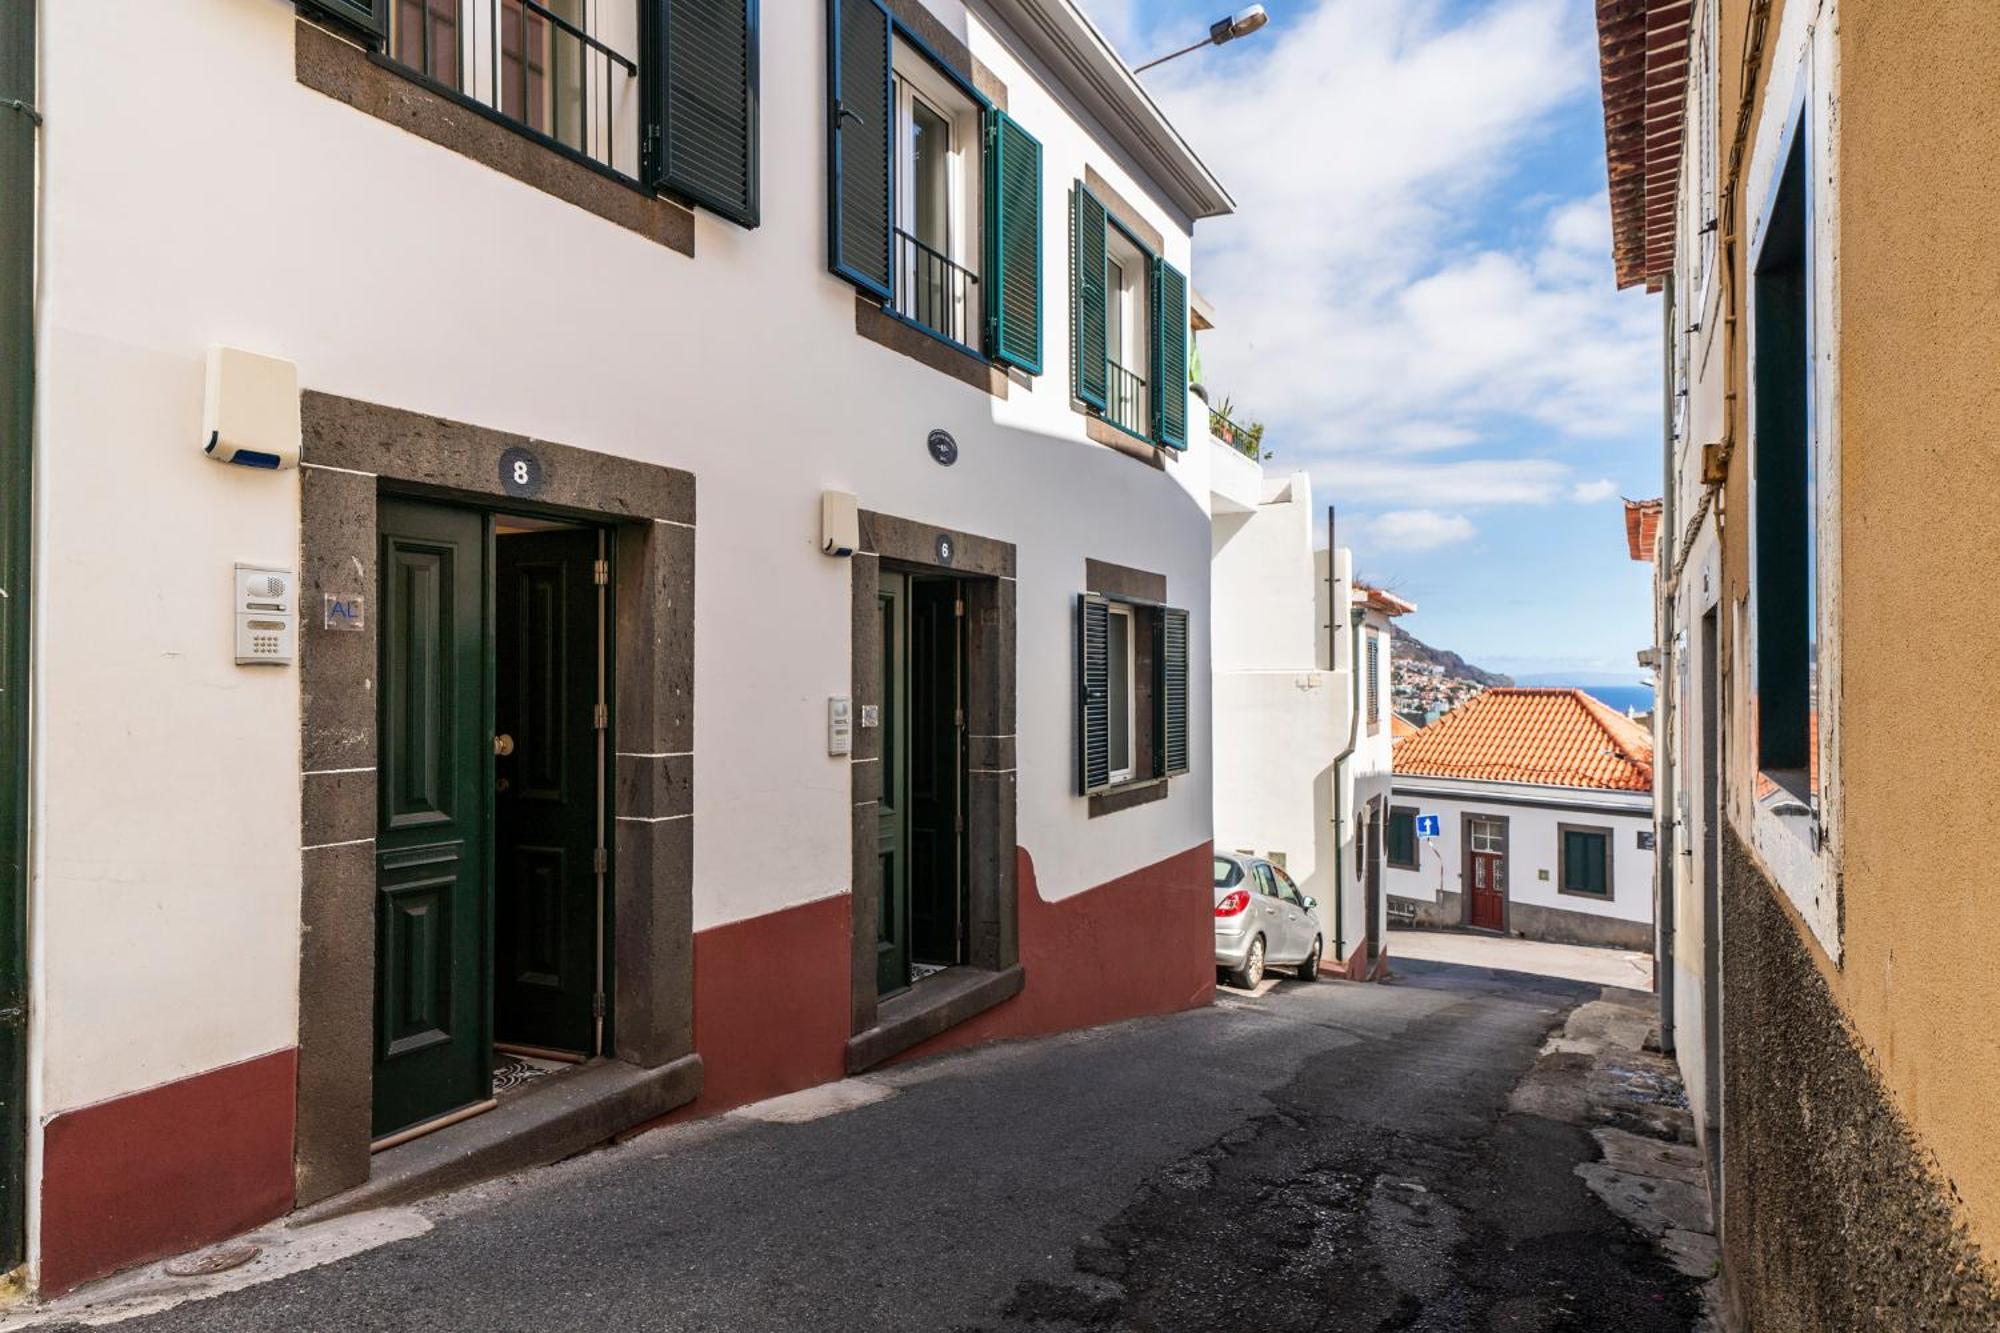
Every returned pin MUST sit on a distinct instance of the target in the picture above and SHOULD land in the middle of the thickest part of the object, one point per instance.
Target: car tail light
(1233, 904)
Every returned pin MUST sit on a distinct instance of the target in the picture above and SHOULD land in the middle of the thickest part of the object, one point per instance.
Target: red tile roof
(1642, 528)
(1548, 738)
(1381, 599)
(1400, 727)
(1642, 58)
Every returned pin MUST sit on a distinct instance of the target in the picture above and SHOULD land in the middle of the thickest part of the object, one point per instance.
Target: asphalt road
(1320, 1157)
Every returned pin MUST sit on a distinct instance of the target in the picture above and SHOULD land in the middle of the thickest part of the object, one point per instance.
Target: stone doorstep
(934, 1005)
(550, 1119)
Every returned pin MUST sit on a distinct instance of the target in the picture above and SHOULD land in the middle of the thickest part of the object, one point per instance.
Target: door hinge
(597, 1005)
(600, 573)
(958, 607)
(600, 716)
(600, 860)
(958, 718)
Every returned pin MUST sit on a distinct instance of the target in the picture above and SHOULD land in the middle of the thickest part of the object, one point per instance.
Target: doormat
(513, 1072)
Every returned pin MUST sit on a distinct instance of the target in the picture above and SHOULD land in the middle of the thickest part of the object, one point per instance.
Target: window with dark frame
(1584, 861)
(1129, 326)
(661, 92)
(1132, 693)
(1785, 507)
(1374, 681)
(1403, 838)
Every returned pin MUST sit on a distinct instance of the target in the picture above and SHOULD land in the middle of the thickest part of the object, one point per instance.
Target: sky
(1416, 297)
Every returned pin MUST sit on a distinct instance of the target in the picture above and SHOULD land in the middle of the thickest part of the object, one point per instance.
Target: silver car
(1261, 919)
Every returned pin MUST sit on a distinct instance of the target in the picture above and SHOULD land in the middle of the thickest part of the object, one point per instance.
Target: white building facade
(750, 585)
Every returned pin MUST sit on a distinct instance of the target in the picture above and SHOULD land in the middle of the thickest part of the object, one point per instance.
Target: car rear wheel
(1252, 971)
(1309, 969)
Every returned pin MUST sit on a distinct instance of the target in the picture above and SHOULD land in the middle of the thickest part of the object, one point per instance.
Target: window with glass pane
(1121, 693)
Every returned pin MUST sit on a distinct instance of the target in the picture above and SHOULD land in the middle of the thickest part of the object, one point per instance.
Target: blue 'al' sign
(1429, 826)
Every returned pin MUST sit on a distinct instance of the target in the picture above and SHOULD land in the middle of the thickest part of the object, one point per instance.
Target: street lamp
(1240, 24)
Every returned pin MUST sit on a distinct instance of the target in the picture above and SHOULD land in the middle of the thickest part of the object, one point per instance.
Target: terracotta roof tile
(1642, 528)
(1549, 738)
(1399, 726)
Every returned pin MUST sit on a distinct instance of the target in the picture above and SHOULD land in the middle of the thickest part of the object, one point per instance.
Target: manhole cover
(218, 1260)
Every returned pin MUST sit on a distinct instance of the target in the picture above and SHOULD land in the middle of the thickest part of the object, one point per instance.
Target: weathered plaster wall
(1835, 1216)
(1861, 1176)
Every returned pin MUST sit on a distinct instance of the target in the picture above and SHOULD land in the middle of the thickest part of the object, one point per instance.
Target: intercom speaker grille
(270, 585)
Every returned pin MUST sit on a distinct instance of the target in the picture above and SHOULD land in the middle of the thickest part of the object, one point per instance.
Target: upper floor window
(659, 91)
(1785, 486)
(934, 194)
(1374, 669)
(1129, 326)
(937, 200)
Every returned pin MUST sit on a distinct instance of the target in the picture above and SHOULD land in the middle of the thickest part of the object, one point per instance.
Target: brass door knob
(503, 745)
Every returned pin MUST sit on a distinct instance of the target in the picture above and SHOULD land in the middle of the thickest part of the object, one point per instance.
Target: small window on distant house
(1403, 838)
(1585, 861)
(1785, 507)
(1374, 681)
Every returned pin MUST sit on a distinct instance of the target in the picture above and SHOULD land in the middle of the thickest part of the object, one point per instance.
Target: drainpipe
(19, 121)
(1665, 860)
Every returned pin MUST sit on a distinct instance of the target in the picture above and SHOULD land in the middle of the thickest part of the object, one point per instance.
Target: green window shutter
(1086, 299)
(368, 16)
(861, 120)
(1585, 857)
(708, 105)
(1170, 355)
(1173, 691)
(1093, 693)
(1014, 241)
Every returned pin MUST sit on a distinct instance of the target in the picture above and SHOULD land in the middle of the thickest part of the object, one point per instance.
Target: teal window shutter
(1170, 355)
(1173, 691)
(708, 105)
(1087, 332)
(860, 123)
(1586, 862)
(1093, 693)
(368, 16)
(1014, 245)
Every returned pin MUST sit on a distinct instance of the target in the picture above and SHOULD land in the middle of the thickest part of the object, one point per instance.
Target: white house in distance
(1545, 806)
(1302, 739)
(720, 600)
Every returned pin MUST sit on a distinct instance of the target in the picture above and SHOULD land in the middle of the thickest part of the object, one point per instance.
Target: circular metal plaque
(520, 472)
(946, 548)
(943, 448)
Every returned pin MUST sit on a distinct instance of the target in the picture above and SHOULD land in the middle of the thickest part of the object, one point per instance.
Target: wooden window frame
(1416, 861)
(1610, 837)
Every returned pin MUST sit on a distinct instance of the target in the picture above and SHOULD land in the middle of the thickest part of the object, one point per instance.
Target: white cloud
(1383, 305)
(1590, 492)
(1415, 530)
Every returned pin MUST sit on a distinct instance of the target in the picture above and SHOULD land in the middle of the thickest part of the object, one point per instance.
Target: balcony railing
(1245, 440)
(531, 65)
(933, 291)
(1125, 400)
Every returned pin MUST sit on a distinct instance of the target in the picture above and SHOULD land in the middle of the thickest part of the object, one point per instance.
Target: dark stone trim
(1143, 791)
(1103, 432)
(1116, 203)
(351, 450)
(1834, 1215)
(327, 64)
(878, 326)
(931, 30)
(551, 1119)
(934, 1005)
(1102, 576)
(1610, 863)
(985, 567)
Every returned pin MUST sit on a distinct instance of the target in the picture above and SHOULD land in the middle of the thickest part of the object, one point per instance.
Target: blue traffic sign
(1429, 826)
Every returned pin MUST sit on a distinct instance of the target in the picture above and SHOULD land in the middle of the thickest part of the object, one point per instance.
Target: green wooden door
(892, 943)
(546, 765)
(933, 747)
(433, 1052)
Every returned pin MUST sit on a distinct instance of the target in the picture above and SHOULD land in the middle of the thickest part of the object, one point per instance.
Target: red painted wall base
(1358, 968)
(172, 1168)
